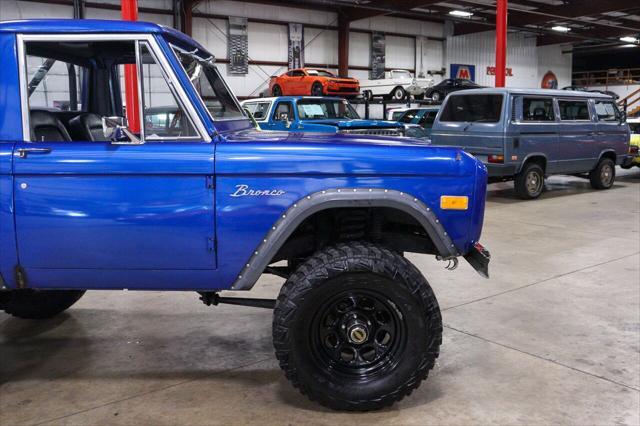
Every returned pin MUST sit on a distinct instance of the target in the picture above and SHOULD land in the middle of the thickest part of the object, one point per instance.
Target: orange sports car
(312, 81)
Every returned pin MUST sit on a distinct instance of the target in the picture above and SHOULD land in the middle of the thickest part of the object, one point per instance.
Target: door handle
(23, 152)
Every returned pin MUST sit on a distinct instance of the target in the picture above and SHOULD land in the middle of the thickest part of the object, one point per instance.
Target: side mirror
(115, 128)
(623, 117)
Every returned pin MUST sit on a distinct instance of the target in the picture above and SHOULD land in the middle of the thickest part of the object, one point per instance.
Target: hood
(356, 124)
(318, 154)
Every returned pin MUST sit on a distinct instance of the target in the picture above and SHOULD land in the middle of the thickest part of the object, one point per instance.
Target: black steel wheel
(316, 89)
(604, 175)
(358, 332)
(356, 327)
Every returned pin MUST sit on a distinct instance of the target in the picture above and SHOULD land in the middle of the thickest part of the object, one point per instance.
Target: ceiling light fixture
(561, 29)
(630, 45)
(629, 39)
(461, 13)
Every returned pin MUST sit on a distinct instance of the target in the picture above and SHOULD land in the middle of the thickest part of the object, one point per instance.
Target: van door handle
(23, 152)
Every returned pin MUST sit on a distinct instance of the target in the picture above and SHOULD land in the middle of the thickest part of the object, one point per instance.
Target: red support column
(501, 42)
(130, 13)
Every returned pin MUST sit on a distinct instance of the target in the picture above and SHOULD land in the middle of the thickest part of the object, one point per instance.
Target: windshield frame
(209, 60)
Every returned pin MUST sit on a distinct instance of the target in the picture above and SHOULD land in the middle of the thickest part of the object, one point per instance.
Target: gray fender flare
(335, 198)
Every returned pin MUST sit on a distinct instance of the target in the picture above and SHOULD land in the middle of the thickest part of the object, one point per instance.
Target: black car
(438, 92)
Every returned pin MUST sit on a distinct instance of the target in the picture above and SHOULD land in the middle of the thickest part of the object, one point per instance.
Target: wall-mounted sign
(238, 46)
(296, 46)
(507, 72)
(377, 55)
(549, 81)
(467, 72)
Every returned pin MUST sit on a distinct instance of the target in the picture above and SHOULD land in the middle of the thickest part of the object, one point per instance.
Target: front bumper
(479, 258)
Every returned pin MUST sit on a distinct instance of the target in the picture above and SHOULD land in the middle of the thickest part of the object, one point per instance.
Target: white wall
(528, 62)
(551, 58)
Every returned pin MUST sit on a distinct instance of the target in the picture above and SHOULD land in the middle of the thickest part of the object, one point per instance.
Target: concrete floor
(552, 338)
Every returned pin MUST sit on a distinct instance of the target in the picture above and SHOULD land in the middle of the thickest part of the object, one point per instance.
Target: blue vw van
(526, 134)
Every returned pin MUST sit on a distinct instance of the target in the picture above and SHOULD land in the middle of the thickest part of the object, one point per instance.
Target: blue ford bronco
(198, 200)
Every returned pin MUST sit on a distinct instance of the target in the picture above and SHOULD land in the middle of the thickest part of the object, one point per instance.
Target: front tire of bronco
(38, 304)
(529, 183)
(604, 175)
(356, 327)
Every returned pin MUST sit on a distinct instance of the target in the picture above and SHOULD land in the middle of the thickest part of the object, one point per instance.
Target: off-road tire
(276, 91)
(317, 90)
(604, 175)
(344, 270)
(525, 188)
(38, 304)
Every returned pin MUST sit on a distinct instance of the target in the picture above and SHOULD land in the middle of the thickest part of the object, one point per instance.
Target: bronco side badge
(245, 191)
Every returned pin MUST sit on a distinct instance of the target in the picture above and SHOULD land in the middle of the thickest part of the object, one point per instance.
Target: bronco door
(93, 214)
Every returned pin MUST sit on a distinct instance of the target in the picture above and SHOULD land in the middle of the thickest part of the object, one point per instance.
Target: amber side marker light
(454, 202)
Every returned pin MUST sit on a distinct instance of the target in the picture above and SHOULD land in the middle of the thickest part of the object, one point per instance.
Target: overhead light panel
(461, 13)
(630, 45)
(561, 29)
(629, 39)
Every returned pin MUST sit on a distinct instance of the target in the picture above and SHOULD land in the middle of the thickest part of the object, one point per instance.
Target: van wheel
(356, 327)
(529, 183)
(603, 176)
(38, 304)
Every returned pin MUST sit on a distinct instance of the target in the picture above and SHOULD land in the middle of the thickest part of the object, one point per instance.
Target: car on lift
(438, 92)
(525, 135)
(396, 84)
(321, 114)
(314, 82)
(94, 200)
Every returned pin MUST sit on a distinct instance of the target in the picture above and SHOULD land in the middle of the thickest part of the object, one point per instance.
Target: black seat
(87, 127)
(45, 126)
(539, 114)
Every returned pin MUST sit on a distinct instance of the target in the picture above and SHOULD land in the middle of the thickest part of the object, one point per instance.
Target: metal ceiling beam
(384, 7)
(572, 9)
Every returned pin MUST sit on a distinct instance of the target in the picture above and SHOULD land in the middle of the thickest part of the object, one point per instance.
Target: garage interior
(553, 337)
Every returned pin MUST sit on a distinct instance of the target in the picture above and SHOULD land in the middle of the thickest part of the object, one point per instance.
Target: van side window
(537, 109)
(607, 111)
(473, 108)
(573, 110)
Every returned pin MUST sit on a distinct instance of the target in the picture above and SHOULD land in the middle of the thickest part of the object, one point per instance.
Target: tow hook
(452, 262)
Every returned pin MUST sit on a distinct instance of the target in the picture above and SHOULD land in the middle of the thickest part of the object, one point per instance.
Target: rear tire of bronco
(38, 304)
(356, 327)
(604, 175)
(529, 183)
